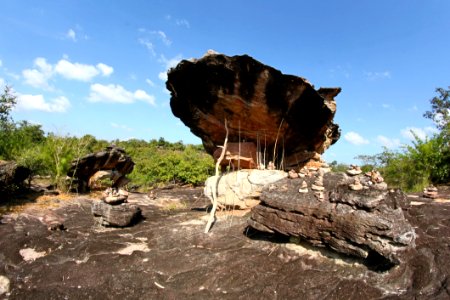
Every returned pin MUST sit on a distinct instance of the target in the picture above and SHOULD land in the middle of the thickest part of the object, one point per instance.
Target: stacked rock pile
(370, 179)
(430, 192)
(113, 209)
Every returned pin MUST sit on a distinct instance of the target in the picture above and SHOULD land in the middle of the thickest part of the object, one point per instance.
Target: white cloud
(355, 139)
(387, 142)
(421, 133)
(39, 76)
(113, 93)
(386, 106)
(76, 71)
(149, 82)
(143, 96)
(168, 63)
(38, 102)
(2, 84)
(71, 35)
(105, 69)
(1, 63)
(162, 76)
(378, 75)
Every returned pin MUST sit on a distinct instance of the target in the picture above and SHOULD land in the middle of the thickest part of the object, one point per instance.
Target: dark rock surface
(261, 104)
(121, 215)
(357, 223)
(112, 158)
(12, 174)
(167, 256)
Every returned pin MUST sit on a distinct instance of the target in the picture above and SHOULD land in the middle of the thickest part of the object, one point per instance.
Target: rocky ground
(58, 251)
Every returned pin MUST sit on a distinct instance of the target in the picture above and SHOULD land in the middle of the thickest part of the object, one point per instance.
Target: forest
(159, 162)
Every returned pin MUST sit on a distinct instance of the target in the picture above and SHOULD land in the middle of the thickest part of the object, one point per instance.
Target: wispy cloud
(38, 102)
(114, 93)
(179, 22)
(148, 44)
(121, 126)
(71, 35)
(386, 106)
(149, 82)
(340, 71)
(388, 142)
(378, 75)
(355, 139)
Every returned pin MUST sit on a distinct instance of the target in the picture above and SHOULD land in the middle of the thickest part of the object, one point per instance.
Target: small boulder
(122, 215)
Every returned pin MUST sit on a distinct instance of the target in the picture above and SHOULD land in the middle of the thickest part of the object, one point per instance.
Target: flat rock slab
(358, 223)
(167, 256)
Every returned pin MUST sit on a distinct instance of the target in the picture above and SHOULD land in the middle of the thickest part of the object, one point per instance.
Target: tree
(440, 109)
(7, 102)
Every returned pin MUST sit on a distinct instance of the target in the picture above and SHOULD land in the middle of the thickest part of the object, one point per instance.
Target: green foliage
(338, 167)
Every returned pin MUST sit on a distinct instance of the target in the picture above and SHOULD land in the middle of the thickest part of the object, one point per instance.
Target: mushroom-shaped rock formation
(112, 159)
(283, 115)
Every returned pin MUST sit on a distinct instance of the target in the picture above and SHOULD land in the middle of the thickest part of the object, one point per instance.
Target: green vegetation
(158, 162)
(425, 161)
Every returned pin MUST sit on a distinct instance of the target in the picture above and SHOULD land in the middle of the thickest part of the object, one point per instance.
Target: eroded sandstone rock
(12, 174)
(360, 222)
(284, 115)
(116, 215)
(112, 162)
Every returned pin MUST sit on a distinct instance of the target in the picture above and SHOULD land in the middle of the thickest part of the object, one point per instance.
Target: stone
(11, 174)
(430, 192)
(122, 215)
(237, 188)
(354, 170)
(360, 223)
(292, 174)
(4, 285)
(113, 160)
(303, 187)
(114, 197)
(284, 114)
(356, 185)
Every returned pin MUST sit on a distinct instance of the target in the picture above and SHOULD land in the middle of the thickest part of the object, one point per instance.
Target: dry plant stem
(276, 141)
(215, 203)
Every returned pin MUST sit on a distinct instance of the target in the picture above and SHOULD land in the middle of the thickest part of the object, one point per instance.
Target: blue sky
(99, 67)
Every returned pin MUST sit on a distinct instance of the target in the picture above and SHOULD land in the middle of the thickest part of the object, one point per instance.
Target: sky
(99, 67)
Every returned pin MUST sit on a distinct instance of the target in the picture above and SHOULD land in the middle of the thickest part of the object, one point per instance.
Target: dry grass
(21, 204)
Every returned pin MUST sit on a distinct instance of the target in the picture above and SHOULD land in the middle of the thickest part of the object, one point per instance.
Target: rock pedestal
(363, 222)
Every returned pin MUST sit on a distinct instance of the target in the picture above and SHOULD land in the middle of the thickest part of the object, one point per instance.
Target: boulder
(112, 162)
(116, 215)
(284, 115)
(366, 222)
(241, 189)
(11, 174)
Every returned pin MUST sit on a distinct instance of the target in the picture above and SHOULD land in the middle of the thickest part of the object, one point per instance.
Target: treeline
(157, 162)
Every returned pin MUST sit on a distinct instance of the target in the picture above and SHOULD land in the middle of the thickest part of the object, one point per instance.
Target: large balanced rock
(284, 115)
(12, 174)
(91, 167)
(327, 211)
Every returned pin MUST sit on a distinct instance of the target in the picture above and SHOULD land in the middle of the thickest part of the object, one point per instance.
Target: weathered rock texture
(362, 223)
(116, 215)
(113, 159)
(241, 189)
(261, 105)
(12, 174)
